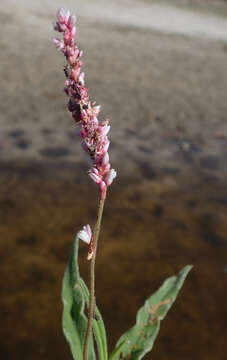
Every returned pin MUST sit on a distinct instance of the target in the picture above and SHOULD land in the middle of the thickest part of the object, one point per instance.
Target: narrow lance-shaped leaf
(70, 329)
(75, 295)
(74, 321)
(140, 338)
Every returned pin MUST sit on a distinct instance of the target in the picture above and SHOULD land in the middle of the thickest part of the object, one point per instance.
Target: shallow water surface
(151, 228)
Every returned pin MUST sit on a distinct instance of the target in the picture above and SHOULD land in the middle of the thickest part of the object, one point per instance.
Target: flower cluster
(85, 113)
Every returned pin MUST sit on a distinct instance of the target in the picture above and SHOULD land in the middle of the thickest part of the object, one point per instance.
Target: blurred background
(159, 70)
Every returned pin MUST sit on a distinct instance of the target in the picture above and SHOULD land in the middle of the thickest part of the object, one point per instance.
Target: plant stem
(92, 274)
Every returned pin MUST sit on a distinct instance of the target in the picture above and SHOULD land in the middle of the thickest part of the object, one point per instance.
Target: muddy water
(151, 228)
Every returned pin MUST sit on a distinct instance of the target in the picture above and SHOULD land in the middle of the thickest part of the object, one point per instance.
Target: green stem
(92, 275)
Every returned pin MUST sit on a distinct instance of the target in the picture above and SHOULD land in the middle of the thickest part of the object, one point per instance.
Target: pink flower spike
(110, 176)
(93, 133)
(85, 234)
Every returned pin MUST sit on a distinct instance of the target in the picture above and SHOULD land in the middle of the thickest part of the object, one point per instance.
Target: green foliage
(74, 296)
(136, 342)
(117, 351)
(98, 326)
(139, 340)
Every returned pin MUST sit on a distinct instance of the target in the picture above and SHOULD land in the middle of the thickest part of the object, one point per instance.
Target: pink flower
(95, 177)
(104, 130)
(86, 236)
(105, 159)
(93, 133)
(106, 146)
(59, 44)
(61, 15)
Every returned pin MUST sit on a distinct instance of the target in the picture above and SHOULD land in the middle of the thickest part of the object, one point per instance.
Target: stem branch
(92, 275)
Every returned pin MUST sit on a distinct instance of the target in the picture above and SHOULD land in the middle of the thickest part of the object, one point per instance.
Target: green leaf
(117, 351)
(74, 321)
(75, 295)
(140, 338)
(98, 326)
(70, 329)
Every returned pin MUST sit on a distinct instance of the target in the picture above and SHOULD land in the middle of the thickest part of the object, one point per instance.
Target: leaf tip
(186, 269)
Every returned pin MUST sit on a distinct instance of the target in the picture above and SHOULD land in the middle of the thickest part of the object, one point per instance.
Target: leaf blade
(117, 351)
(69, 329)
(140, 338)
(74, 321)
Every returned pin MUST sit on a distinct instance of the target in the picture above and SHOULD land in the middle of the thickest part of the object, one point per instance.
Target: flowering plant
(81, 330)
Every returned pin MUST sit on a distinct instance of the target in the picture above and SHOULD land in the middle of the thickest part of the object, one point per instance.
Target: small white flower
(81, 78)
(110, 176)
(85, 234)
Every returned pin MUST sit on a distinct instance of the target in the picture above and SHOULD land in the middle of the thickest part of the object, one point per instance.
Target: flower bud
(61, 14)
(59, 44)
